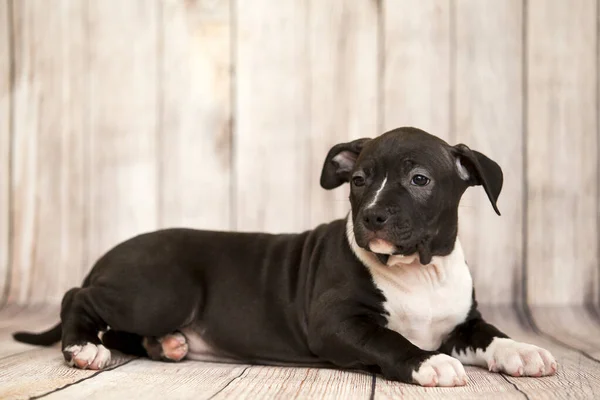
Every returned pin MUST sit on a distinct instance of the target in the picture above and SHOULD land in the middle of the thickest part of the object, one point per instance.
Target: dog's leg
(81, 346)
(125, 342)
(396, 357)
(475, 342)
(171, 347)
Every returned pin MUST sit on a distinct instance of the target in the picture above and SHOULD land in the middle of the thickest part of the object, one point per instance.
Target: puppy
(386, 290)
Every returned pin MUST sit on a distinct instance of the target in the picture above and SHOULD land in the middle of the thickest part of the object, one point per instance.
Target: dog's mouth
(382, 246)
(406, 254)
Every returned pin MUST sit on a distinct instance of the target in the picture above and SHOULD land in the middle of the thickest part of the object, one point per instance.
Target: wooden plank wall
(343, 68)
(121, 118)
(562, 151)
(49, 129)
(123, 121)
(271, 102)
(5, 154)
(488, 116)
(195, 65)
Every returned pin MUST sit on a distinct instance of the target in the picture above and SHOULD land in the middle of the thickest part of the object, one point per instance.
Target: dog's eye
(358, 180)
(419, 180)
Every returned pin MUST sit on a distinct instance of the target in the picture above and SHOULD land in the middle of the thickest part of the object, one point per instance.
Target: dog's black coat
(282, 299)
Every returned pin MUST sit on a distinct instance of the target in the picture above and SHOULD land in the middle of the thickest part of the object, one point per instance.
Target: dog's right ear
(339, 163)
(477, 169)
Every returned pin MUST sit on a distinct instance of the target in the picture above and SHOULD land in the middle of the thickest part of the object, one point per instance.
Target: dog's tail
(47, 338)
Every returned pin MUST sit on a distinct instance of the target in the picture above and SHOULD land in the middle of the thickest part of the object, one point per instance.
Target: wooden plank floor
(572, 334)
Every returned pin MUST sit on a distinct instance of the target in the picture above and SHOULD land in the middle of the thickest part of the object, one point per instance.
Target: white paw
(440, 370)
(519, 359)
(88, 356)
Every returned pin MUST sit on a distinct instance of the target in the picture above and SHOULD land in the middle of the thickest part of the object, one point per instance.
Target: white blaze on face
(377, 193)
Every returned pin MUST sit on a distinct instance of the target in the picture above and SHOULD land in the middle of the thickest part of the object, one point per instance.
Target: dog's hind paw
(174, 346)
(171, 347)
(87, 356)
(440, 370)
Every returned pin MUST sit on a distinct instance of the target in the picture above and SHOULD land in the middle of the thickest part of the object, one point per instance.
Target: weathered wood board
(488, 87)
(194, 142)
(562, 152)
(344, 89)
(48, 155)
(416, 76)
(123, 122)
(272, 103)
(5, 142)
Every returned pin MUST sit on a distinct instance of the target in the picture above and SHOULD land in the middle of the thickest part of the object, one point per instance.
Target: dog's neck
(442, 265)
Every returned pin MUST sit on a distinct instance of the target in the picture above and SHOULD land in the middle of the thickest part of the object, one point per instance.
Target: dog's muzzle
(384, 249)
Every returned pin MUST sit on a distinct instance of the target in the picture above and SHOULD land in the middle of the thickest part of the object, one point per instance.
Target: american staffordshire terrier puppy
(385, 290)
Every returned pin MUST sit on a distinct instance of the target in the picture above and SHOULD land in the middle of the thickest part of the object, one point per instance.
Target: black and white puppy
(385, 290)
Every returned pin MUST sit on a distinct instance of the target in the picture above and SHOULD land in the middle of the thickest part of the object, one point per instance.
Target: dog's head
(405, 189)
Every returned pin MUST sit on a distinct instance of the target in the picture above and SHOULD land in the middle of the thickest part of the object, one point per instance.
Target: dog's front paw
(519, 359)
(440, 370)
(87, 356)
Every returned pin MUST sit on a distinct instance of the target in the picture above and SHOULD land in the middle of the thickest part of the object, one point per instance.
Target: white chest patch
(424, 302)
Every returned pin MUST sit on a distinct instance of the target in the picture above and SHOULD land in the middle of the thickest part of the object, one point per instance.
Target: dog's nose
(374, 220)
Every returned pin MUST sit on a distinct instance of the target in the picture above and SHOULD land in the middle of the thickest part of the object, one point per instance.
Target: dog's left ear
(339, 163)
(477, 169)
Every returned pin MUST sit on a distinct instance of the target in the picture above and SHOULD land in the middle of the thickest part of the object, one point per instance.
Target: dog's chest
(425, 303)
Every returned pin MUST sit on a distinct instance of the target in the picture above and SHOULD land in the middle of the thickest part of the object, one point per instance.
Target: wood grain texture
(272, 116)
(123, 111)
(220, 381)
(298, 383)
(49, 120)
(5, 121)
(416, 73)
(481, 383)
(488, 118)
(34, 373)
(27, 370)
(29, 318)
(195, 97)
(155, 380)
(573, 326)
(40, 316)
(562, 242)
(343, 41)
